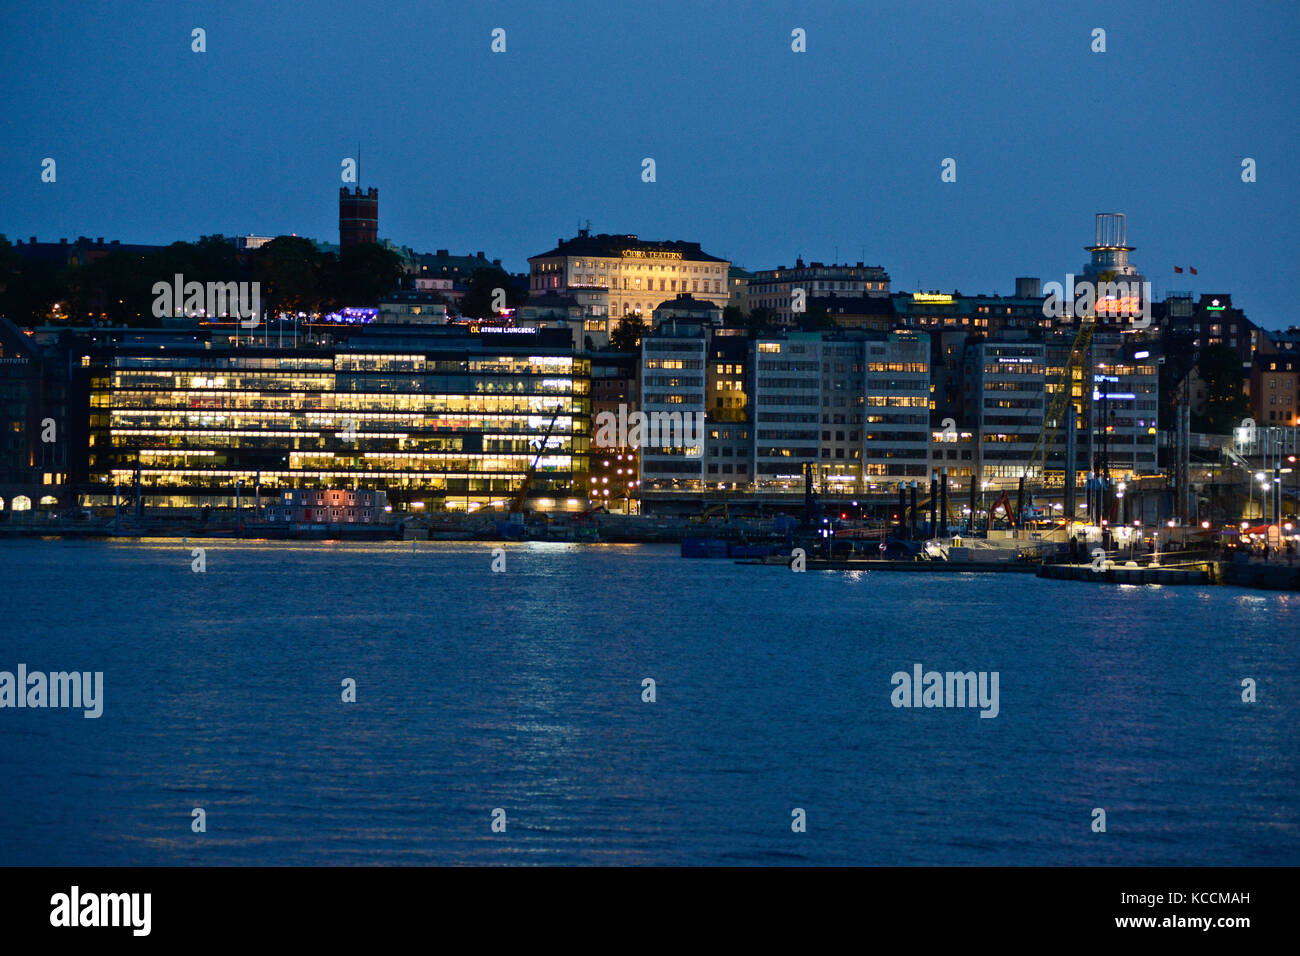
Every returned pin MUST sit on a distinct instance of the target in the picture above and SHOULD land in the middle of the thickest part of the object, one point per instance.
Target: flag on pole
(1193, 269)
(1178, 269)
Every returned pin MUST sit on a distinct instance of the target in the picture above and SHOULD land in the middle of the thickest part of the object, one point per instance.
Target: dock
(934, 567)
(1246, 574)
(1197, 573)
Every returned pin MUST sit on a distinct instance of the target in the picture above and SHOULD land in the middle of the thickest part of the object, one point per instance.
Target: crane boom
(518, 504)
(1055, 413)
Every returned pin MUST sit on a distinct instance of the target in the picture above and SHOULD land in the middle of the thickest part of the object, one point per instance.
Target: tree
(760, 319)
(216, 259)
(481, 294)
(8, 264)
(363, 274)
(29, 288)
(627, 337)
(817, 319)
(73, 298)
(121, 288)
(290, 270)
(1225, 399)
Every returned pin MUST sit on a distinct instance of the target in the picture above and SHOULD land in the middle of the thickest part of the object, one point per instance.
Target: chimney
(1028, 287)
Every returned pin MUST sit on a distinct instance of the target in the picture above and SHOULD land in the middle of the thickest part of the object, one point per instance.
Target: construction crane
(1005, 504)
(923, 505)
(518, 504)
(713, 511)
(1062, 398)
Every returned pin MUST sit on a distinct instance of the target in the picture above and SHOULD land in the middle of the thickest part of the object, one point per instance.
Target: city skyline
(1180, 285)
(559, 138)
(666, 435)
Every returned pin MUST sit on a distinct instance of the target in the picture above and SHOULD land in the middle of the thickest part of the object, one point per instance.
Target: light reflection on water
(522, 690)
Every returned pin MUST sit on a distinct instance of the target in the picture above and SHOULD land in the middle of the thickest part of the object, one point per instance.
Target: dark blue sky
(762, 154)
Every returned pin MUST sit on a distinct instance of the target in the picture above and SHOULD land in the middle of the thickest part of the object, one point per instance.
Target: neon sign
(650, 254)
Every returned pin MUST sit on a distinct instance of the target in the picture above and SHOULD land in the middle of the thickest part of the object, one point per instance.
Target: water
(522, 690)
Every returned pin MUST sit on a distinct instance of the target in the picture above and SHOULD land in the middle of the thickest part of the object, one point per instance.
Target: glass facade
(452, 424)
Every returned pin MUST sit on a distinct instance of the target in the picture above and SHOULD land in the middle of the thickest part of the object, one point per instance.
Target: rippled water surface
(522, 690)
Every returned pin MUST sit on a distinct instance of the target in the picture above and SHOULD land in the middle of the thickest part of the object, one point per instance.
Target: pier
(1132, 573)
(875, 564)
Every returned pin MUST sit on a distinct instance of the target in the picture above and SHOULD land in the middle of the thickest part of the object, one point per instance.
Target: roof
(853, 304)
(414, 296)
(685, 302)
(83, 249)
(612, 247)
(442, 263)
(551, 300)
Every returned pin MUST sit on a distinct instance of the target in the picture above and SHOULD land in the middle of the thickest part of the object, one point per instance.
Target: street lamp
(1295, 490)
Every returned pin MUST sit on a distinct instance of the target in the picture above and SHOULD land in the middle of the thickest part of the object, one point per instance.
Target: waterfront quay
(779, 540)
(1252, 574)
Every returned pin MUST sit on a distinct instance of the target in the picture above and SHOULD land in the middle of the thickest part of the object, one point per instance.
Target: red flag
(1193, 268)
(1178, 268)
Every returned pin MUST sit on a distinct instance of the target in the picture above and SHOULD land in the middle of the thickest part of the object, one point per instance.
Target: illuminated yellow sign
(650, 254)
(932, 298)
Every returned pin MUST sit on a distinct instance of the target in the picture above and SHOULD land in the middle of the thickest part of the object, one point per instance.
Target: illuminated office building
(674, 399)
(786, 402)
(897, 434)
(1125, 405)
(638, 274)
(1005, 405)
(778, 289)
(437, 418)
